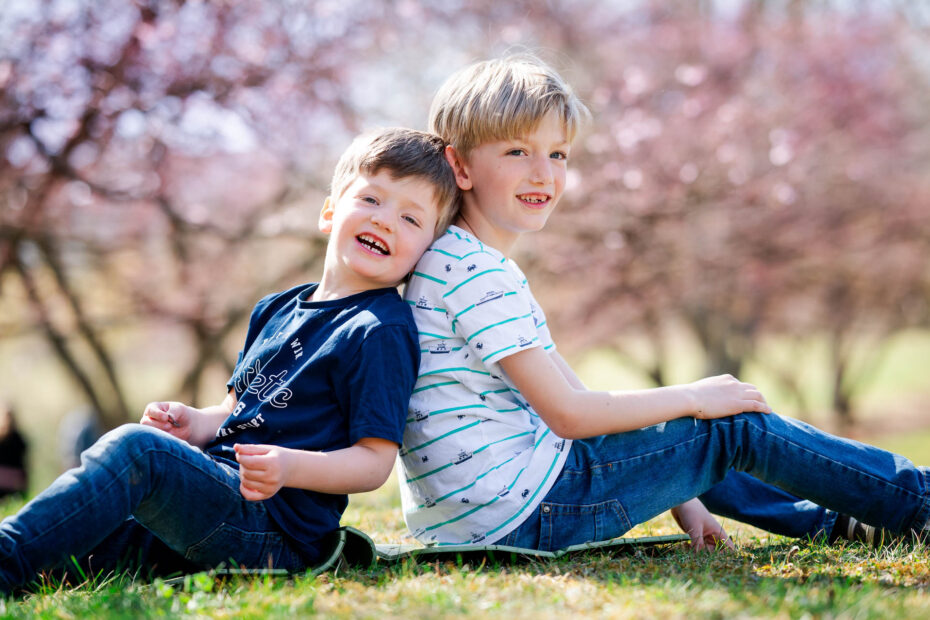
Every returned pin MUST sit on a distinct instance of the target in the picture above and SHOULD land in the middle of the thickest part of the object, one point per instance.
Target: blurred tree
(746, 176)
(754, 168)
(159, 157)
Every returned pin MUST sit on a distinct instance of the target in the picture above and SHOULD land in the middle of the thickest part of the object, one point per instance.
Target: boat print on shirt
(462, 457)
(440, 348)
(423, 304)
(523, 341)
(419, 415)
(489, 296)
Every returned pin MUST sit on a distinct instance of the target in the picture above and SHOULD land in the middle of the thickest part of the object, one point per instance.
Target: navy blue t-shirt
(320, 375)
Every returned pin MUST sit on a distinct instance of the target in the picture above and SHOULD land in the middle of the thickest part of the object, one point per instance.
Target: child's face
(379, 227)
(513, 185)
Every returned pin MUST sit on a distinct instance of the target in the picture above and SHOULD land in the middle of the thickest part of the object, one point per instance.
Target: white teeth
(373, 243)
(533, 199)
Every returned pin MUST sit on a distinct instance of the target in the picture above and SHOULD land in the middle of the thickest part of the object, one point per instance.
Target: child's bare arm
(575, 413)
(694, 519)
(567, 371)
(361, 467)
(193, 425)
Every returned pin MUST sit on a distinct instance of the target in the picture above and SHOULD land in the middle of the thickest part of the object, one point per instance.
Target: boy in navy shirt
(315, 407)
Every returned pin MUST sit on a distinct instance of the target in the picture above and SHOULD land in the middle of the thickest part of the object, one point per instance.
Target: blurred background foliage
(756, 172)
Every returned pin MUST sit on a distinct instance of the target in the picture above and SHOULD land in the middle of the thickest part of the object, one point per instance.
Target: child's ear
(326, 215)
(458, 167)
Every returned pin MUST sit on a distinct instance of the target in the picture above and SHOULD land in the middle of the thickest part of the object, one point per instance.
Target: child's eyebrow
(416, 206)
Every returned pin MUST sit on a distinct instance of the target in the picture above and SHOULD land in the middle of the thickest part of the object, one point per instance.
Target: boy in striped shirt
(503, 442)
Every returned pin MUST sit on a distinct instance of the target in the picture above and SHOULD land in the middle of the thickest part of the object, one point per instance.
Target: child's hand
(724, 395)
(697, 522)
(262, 470)
(172, 417)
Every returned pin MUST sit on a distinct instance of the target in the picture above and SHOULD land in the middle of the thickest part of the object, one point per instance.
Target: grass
(769, 576)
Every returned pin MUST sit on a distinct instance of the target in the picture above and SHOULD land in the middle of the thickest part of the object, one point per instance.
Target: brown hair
(403, 153)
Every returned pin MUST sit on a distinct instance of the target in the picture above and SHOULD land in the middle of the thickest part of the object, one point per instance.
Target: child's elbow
(376, 480)
(562, 422)
(375, 476)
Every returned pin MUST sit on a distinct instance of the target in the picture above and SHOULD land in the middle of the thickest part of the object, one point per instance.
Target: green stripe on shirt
(464, 282)
(499, 323)
(444, 370)
(443, 436)
(434, 385)
(428, 277)
(444, 253)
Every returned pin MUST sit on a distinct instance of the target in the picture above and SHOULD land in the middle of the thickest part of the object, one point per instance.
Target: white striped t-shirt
(476, 458)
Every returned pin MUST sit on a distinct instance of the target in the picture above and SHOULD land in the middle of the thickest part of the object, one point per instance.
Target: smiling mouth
(534, 200)
(373, 244)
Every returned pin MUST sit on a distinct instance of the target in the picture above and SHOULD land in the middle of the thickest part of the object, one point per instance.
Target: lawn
(768, 576)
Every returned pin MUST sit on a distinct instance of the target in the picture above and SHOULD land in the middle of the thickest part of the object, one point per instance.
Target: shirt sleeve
(490, 307)
(380, 384)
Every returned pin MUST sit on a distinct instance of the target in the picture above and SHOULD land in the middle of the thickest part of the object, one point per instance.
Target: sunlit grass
(768, 576)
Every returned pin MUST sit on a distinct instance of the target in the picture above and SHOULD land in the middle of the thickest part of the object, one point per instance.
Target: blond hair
(501, 99)
(403, 153)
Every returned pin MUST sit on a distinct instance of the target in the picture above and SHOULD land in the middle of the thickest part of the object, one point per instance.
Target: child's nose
(383, 218)
(542, 170)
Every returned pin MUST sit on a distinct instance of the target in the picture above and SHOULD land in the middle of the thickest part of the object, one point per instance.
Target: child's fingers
(252, 494)
(252, 462)
(153, 410)
(252, 448)
(253, 476)
(157, 421)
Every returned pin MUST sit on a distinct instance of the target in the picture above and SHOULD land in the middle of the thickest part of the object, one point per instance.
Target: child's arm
(693, 518)
(567, 371)
(195, 426)
(364, 466)
(573, 413)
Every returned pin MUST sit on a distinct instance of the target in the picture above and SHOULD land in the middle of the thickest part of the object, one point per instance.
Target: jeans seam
(117, 477)
(247, 535)
(837, 463)
(706, 430)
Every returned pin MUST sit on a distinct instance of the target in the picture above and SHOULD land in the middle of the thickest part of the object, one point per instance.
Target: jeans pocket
(230, 545)
(563, 525)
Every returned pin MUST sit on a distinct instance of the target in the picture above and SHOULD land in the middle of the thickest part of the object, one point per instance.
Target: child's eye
(559, 155)
(412, 220)
(515, 152)
(369, 199)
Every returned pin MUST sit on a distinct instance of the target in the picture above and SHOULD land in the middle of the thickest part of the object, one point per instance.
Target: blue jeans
(613, 482)
(142, 493)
